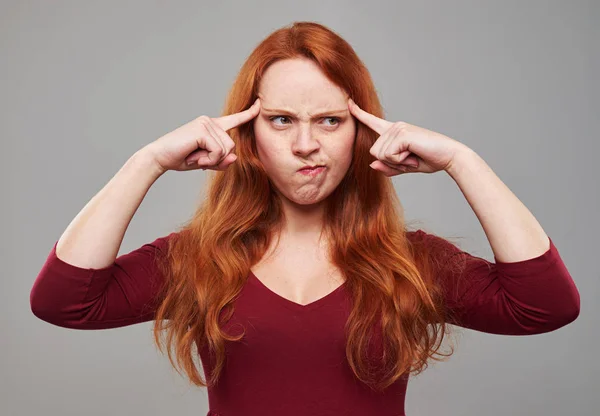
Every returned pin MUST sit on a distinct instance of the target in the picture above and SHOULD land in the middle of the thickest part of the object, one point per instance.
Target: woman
(297, 281)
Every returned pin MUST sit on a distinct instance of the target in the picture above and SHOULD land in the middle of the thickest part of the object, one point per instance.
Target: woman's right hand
(200, 144)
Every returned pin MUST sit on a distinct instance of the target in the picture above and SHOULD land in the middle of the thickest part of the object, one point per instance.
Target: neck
(303, 221)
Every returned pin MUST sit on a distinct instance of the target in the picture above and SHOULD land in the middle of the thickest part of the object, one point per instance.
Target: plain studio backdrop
(86, 84)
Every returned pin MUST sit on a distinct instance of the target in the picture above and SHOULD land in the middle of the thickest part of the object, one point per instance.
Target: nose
(305, 142)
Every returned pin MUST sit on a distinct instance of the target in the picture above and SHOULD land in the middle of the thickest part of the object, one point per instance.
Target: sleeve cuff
(534, 265)
(60, 266)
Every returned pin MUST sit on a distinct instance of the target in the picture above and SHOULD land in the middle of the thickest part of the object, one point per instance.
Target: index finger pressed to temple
(377, 124)
(234, 120)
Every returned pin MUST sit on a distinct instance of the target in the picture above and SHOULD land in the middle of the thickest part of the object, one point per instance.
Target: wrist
(146, 159)
(463, 158)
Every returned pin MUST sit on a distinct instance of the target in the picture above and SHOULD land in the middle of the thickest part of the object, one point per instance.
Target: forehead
(301, 85)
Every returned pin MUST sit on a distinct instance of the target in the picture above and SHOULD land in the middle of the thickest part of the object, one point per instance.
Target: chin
(307, 199)
(309, 203)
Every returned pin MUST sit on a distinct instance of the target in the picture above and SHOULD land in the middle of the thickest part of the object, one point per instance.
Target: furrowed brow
(291, 113)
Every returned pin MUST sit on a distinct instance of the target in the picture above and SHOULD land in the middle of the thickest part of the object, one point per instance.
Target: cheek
(346, 145)
(258, 129)
(269, 155)
(261, 138)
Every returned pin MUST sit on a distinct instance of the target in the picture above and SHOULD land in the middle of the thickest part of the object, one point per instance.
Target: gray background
(86, 84)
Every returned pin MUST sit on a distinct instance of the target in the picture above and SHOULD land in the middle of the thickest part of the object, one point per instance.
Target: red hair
(390, 280)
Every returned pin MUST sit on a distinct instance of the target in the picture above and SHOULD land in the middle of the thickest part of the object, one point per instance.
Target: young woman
(297, 281)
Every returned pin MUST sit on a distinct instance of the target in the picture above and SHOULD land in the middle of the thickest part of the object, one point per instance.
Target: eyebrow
(289, 112)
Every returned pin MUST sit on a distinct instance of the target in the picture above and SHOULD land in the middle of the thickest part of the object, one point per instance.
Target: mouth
(309, 167)
(312, 171)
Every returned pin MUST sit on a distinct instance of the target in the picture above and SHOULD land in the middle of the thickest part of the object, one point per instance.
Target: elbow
(43, 310)
(43, 299)
(49, 310)
(551, 320)
(70, 315)
(569, 308)
(54, 317)
(572, 313)
(567, 315)
(38, 308)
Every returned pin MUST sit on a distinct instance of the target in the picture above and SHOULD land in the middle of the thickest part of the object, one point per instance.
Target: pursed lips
(311, 167)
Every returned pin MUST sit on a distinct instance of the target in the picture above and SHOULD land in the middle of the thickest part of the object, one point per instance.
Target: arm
(513, 232)
(93, 238)
(123, 293)
(528, 289)
(526, 297)
(82, 285)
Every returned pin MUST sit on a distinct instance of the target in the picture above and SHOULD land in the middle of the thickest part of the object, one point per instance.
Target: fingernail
(190, 162)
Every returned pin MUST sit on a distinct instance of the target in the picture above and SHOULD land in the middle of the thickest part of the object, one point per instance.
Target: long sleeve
(528, 297)
(119, 295)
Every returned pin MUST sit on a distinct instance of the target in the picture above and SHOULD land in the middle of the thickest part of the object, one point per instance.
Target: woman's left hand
(403, 147)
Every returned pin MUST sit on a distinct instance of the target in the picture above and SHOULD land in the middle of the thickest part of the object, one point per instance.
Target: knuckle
(203, 129)
(401, 127)
(203, 119)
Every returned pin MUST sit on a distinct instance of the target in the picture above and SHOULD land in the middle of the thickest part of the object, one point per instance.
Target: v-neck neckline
(291, 304)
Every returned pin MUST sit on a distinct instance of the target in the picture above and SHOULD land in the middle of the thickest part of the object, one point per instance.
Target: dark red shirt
(292, 360)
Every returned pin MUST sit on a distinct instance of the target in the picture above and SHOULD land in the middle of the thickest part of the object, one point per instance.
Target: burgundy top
(292, 361)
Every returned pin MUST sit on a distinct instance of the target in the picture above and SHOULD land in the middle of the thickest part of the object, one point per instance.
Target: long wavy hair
(390, 280)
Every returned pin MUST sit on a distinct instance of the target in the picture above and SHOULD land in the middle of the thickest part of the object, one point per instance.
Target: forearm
(94, 236)
(513, 232)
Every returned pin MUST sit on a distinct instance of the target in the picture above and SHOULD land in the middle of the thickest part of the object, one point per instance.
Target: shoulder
(161, 243)
(439, 246)
(421, 236)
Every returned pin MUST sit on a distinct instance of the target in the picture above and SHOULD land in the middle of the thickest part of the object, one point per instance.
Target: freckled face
(304, 120)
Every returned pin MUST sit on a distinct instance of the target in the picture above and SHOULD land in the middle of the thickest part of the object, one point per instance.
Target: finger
(391, 151)
(193, 157)
(385, 169)
(377, 150)
(234, 120)
(377, 124)
(397, 166)
(412, 161)
(214, 134)
(224, 164)
(214, 149)
(390, 170)
(227, 141)
(398, 158)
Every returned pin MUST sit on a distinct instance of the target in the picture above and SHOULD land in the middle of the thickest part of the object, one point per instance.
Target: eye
(336, 119)
(274, 117)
